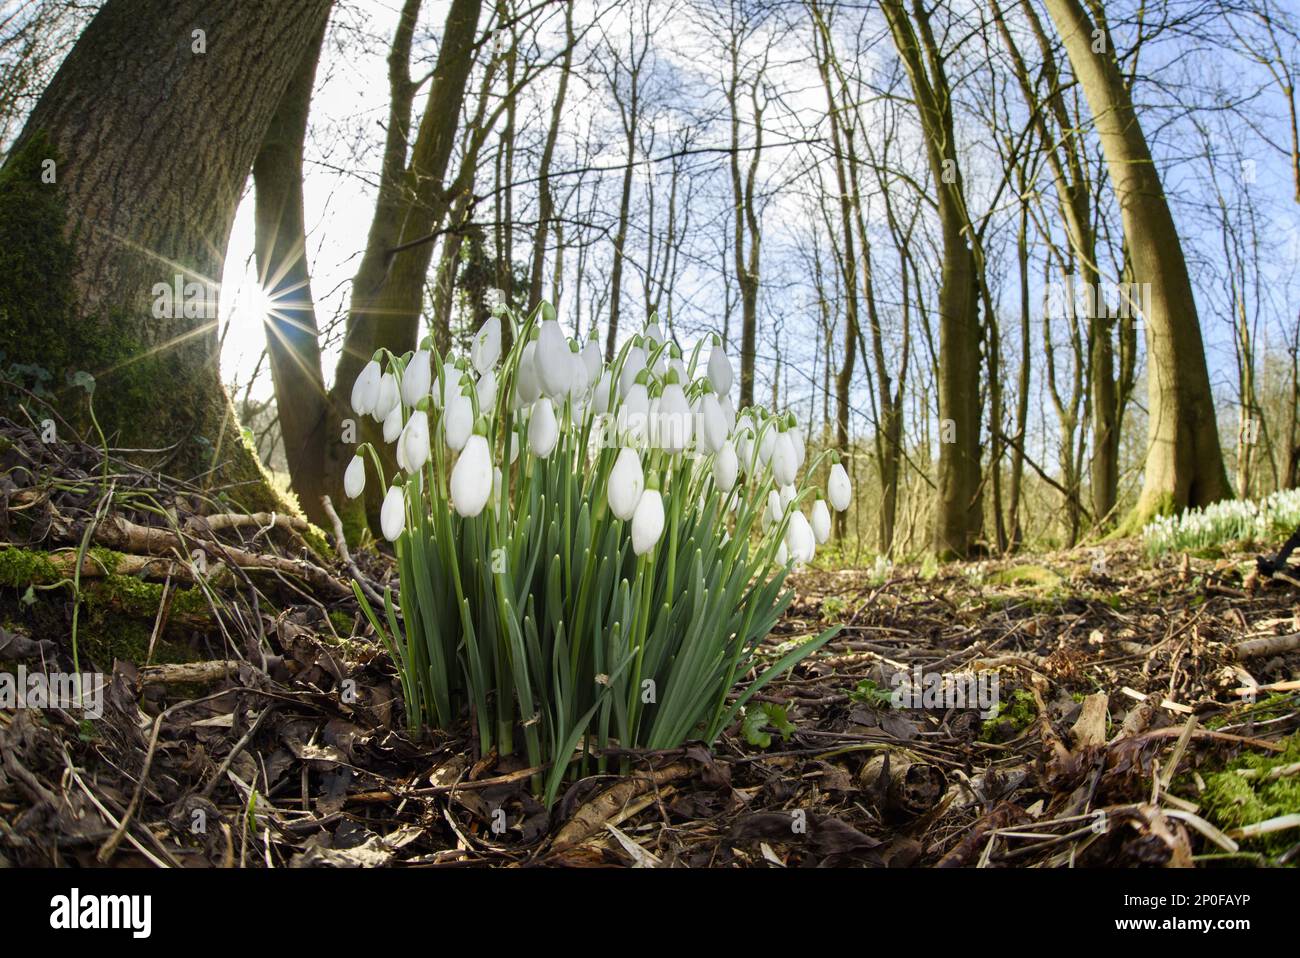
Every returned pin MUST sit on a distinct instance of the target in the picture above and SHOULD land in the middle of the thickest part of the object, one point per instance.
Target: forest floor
(1146, 712)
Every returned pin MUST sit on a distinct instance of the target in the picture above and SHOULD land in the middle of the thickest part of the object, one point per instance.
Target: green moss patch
(1233, 800)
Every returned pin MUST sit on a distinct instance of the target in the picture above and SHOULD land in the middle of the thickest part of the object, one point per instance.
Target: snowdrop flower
(600, 396)
(388, 397)
(838, 488)
(486, 387)
(726, 466)
(785, 459)
(800, 450)
(772, 514)
(766, 445)
(654, 334)
(543, 431)
(365, 391)
(634, 416)
(452, 378)
(393, 424)
(782, 554)
(354, 477)
(578, 381)
(728, 411)
(633, 363)
(713, 424)
(647, 522)
(821, 521)
(788, 493)
(674, 420)
(799, 538)
(392, 515)
(592, 358)
(472, 478)
(626, 484)
(527, 384)
(458, 421)
(417, 379)
(413, 443)
(720, 369)
(551, 357)
(485, 350)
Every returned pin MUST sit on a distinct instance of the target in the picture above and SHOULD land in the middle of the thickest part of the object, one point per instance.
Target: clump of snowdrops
(1232, 520)
(588, 552)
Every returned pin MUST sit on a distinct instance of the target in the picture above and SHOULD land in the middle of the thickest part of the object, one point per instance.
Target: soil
(1145, 711)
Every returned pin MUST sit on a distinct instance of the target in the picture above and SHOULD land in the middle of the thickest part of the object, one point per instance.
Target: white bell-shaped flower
(800, 450)
(593, 359)
(458, 421)
(654, 334)
(785, 459)
(354, 478)
(626, 484)
(782, 554)
(578, 382)
(543, 431)
(713, 424)
(389, 397)
(674, 422)
(634, 414)
(393, 424)
(773, 511)
(472, 478)
(766, 444)
(600, 397)
(838, 488)
(728, 411)
(821, 521)
(726, 466)
(720, 370)
(392, 514)
(799, 538)
(485, 350)
(486, 387)
(552, 359)
(365, 391)
(414, 442)
(418, 378)
(448, 386)
(788, 492)
(527, 384)
(647, 521)
(633, 363)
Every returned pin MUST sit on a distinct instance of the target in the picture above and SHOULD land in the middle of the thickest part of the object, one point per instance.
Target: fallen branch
(126, 536)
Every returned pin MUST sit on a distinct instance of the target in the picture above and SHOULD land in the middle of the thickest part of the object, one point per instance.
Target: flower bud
(354, 477)
(392, 515)
(472, 479)
(626, 484)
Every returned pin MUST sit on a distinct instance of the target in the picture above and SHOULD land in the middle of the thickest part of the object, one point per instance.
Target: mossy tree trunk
(153, 122)
(1184, 464)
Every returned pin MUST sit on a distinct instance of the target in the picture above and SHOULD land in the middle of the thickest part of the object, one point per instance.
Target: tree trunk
(292, 338)
(154, 127)
(1184, 464)
(958, 516)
